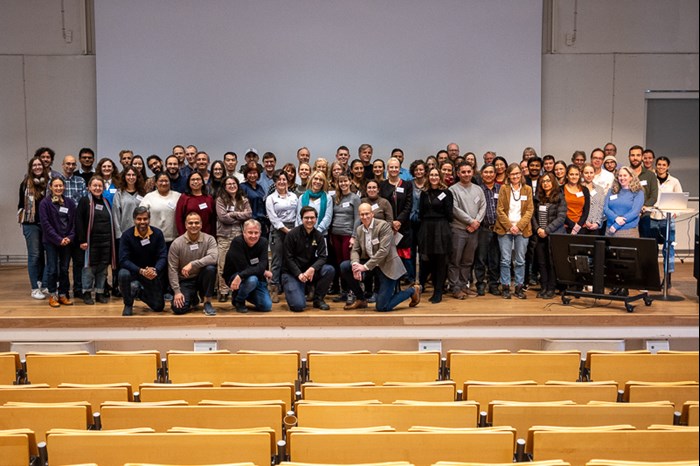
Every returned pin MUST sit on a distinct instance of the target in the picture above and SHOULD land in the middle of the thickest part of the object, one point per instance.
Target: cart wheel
(629, 307)
(648, 300)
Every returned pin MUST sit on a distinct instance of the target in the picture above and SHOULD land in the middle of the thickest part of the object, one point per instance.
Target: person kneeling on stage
(142, 262)
(192, 267)
(245, 269)
(305, 255)
(374, 249)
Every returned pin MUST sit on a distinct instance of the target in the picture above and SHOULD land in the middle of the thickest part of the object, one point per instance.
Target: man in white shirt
(602, 177)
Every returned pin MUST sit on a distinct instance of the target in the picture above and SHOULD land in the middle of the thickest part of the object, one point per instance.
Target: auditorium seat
(377, 368)
(578, 447)
(386, 463)
(522, 416)
(179, 464)
(577, 392)
(244, 367)
(505, 367)
(242, 392)
(109, 449)
(41, 419)
(599, 462)
(627, 366)
(94, 396)
(17, 446)
(9, 365)
(418, 448)
(689, 413)
(399, 416)
(431, 391)
(530, 463)
(55, 369)
(676, 392)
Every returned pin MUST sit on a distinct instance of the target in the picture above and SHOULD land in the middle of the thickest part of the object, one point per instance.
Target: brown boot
(275, 293)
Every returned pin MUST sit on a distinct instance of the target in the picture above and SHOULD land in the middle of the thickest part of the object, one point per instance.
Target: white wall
(592, 90)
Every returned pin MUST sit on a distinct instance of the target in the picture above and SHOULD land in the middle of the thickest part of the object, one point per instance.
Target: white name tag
(99, 206)
(399, 189)
(63, 210)
(579, 194)
(202, 206)
(231, 208)
(442, 196)
(476, 200)
(172, 205)
(346, 205)
(112, 190)
(139, 197)
(543, 208)
(254, 261)
(613, 197)
(523, 198)
(643, 182)
(331, 193)
(594, 192)
(145, 242)
(375, 241)
(194, 247)
(495, 196)
(375, 206)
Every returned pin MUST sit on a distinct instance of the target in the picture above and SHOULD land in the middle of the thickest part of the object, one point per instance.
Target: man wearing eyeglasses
(75, 189)
(86, 157)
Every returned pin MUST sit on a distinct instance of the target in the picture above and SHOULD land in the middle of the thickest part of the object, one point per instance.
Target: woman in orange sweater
(578, 200)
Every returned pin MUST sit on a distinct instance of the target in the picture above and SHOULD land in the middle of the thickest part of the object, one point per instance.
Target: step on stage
(478, 323)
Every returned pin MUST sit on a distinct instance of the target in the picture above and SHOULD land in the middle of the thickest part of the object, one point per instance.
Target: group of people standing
(358, 229)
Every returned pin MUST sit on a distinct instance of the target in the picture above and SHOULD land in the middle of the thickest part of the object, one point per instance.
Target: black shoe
(102, 298)
(541, 294)
(549, 294)
(128, 310)
(240, 307)
(87, 299)
(321, 304)
(480, 290)
(520, 292)
(77, 295)
(209, 309)
(505, 292)
(494, 291)
(116, 293)
(334, 291)
(436, 298)
(341, 298)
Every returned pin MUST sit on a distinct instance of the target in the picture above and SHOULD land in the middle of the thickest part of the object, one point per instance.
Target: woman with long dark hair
(107, 170)
(58, 228)
(578, 200)
(281, 208)
(549, 218)
(196, 199)
(256, 196)
(358, 180)
(32, 190)
(216, 179)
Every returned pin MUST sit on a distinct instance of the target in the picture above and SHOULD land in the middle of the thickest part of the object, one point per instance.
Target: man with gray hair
(245, 269)
(143, 260)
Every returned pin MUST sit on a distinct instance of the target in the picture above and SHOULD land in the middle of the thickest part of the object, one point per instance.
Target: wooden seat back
(41, 419)
(578, 447)
(401, 417)
(94, 396)
(689, 413)
(376, 368)
(170, 448)
(220, 368)
(193, 395)
(9, 365)
(14, 448)
(599, 462)
(383, 393)
(418, 448)
(623, 367)
(636, 392)
(134, 369)
(504, 367)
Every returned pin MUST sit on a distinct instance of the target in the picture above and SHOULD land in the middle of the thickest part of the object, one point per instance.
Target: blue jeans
(35, 255)
(57, 264)
(253, 290)
(386, 298)
(508, 244)
(295, 291)
(94, 276)
(151, 290)
(658, 230)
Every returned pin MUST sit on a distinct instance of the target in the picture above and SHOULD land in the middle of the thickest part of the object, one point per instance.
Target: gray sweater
(346, 217)
(469, 205)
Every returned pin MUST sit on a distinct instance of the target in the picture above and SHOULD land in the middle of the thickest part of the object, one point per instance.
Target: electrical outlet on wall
(205, 346)
(430, 345)
(654, 346)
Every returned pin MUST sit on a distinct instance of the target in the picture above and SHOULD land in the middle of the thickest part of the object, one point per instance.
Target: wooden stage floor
(23, 319)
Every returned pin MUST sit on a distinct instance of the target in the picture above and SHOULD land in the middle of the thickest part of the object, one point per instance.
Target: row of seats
(419, 447)
(260, 367)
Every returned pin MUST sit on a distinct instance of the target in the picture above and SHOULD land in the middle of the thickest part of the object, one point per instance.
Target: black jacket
(302, 251)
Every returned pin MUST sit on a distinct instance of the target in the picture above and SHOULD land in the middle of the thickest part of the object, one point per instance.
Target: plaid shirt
(491, 201)
(75, 187)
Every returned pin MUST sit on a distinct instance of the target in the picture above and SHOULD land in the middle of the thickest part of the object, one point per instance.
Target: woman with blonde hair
(623, 205)
(317, 197)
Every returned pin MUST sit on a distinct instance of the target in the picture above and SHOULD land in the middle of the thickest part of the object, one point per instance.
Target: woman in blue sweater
(623, 205)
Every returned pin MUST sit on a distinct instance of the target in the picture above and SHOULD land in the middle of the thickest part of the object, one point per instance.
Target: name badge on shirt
(231, 208)
(254, 261)
(202, 206)
(523, 198)
(375, 206)
(346, 205)
(99, 207)
(145, 242)
(594, 192)
(194, 247)
(495, 196)
(643, 182)
(543, 208)
(613, 197)
(442, 196)
(139, 197)
(112, 190)
(579, 194)
(331, 193)
(399, 189)
(63, 210)
(172, 205)
(375, 241)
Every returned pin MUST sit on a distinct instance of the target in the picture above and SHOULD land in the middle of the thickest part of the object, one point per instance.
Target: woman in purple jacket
(57, 214)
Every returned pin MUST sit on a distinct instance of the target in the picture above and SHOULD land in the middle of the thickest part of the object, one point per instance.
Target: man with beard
(647, 179)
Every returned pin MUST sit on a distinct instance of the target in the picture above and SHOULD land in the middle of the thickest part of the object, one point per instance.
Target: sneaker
(209, 309)
(37, 294)
(372, 299)
(222, 298)
(505, 292)
(520, 292)
(128, 310)
(549, 294)
(240, 307)
(65, 301)
(102, 298)
(53, 302)
(541, 294)
(321, 304)
(87, 298)
(480, 290)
